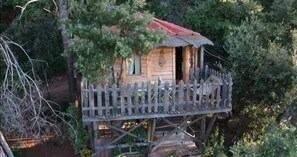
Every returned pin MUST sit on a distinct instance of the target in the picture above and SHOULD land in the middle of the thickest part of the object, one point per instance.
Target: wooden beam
(186, 64)
(120, 137)
(173, 64)
(201, 58)
(125, 132)
(150, 137)
(156, 115)
(160, 142)
(202, 133)
(210, 126)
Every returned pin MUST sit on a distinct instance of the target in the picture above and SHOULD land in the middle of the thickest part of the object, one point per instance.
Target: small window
(134, 65)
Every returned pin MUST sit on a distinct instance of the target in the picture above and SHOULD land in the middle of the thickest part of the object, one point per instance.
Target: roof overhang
(179, 36)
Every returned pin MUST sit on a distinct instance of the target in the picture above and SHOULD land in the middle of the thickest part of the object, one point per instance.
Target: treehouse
(166, 98)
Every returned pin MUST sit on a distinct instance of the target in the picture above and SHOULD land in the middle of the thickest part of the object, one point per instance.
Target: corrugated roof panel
(179, 36)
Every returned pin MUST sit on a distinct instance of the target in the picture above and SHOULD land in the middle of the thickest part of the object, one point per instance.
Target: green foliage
(215, 147)
(278, 141)
(216, 18)
(102, 31)
(38, 32)
(262, 70)
(75, 130)
(156, 7)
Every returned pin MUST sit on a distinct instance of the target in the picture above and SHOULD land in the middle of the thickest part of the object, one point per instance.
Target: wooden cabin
(169, 62)
(169, 96)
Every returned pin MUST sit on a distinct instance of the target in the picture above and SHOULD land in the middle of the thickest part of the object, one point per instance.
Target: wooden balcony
(147, 100)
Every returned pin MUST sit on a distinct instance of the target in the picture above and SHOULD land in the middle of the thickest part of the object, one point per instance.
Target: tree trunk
(63, 15)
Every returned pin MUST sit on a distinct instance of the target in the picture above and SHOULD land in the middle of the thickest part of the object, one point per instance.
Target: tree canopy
(102, 31)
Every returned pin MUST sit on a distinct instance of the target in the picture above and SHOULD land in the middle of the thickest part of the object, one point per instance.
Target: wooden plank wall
(167, 71)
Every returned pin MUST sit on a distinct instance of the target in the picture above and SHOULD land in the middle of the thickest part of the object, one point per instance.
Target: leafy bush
(279, 141)
(215, 147)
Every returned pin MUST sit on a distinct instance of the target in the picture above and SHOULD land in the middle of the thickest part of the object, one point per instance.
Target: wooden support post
(91, 133)
(181, 126)
(150, 136)
(210, 126)
(120, 137)
(202, 133)
(201, 58)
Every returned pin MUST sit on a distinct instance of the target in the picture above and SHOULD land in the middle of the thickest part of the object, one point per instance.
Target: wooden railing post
(166, 97)
(143, 105)
(149, 97)
(114, 100)
(201, 94)
(106, 94)
(123, 94)
(136, 98)
(194, 92)
(173, 97)
(129, 99)
(91, 101)
(99, 100)
(156, 97)
(84, 96)
(180, 95)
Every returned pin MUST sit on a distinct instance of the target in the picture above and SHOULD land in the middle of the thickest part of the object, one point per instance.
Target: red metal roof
(170, 28)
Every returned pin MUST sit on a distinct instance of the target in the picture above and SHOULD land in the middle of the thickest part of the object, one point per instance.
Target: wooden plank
(188, 90)
(91, 101)
(224, 93)
(173, 63)
(210, 126)
(136, 98)
(129, 99)
(180, 95)
(114, 99)
(158, 115)
(213, 94)
(197, 73)
(122, 135)
(155, 97)
(166, 97)
(201, 94)
(106, 94)
(149, 97)
(148, 66)
(186, 64)
(99, 100)
(150, 137)
(218, 97)
(143, 105)
(126, 132)
(201, 58)
(122, 99)
(192, 75)
(173, 96)
(202, 130)
(182, 125)
(194, 92)
(206, 72)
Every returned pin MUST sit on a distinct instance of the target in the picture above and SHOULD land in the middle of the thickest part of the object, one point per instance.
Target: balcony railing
(149, 100)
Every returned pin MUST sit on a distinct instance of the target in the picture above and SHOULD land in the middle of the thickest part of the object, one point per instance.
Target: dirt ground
(50, 149)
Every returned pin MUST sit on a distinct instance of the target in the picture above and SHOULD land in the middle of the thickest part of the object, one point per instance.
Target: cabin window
(134, 65)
